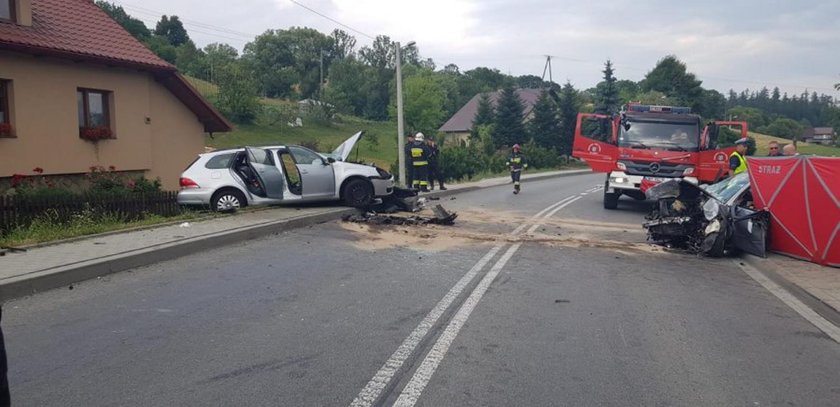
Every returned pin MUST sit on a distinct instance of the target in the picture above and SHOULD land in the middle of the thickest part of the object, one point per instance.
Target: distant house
(459, 126)
(819, 135)
(77, 90)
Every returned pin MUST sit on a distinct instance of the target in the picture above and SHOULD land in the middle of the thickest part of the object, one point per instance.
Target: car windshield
(664, 135)
(726, 189)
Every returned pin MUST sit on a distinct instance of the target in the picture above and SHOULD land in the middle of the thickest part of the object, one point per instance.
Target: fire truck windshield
(662, 135)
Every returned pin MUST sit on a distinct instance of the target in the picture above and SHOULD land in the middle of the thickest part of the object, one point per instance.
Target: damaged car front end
(712, 220)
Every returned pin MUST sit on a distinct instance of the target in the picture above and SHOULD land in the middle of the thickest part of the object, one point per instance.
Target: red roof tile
(77, 28)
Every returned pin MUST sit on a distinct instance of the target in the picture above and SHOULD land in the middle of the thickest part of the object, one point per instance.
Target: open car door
(713, 162)
(595, 141)
(270, 177)
(750, 235)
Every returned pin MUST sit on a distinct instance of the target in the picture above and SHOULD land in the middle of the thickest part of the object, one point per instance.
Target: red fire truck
(644, 145)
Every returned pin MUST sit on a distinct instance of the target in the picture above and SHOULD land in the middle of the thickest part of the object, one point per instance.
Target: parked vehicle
(227, 180)
(645, 145)
(713, 219)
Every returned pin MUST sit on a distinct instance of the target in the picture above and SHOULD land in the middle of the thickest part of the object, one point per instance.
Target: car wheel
(227, 200)
(358, 193)
(717, 248)
(610, 199)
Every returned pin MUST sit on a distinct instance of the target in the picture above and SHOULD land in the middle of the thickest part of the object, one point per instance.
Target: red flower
(38, 170)
(17, 179)
(131, 184)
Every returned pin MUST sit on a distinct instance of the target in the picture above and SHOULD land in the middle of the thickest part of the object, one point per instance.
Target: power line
(158, 13)
(334, 20)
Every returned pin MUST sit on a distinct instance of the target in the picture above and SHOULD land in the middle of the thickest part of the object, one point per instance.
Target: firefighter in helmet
(517, 162)
(420, 162)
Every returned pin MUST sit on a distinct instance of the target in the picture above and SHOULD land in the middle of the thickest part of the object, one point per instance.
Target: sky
(735, 44)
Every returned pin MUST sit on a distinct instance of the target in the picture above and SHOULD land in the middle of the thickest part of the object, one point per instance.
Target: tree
(530, 82)
(237, 97)
(544, 126)
(607, 92)
(671, 77)
(485, 114)
(509, 119)
(218, 57)
(343, 44)
(755, 118)
(271, 59)
(783, 127)
(192, 61)
(308, 46)
(380, 54)
(714, 104)
(568, 110)
(423, 103)
(173, 30)
(162, 48)
(134, 26)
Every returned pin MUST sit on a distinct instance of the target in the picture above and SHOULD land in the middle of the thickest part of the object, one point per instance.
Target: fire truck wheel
(610, 198)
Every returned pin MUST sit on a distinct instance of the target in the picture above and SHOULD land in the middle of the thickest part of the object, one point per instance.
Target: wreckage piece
(402, 199)
(442, 217)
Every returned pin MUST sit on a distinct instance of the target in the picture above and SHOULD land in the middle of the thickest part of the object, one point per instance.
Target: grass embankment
(762, 142)
(46, 230)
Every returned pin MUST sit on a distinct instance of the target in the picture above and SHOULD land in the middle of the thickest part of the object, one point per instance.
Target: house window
(7, 10)
(5, 121)
(94, 114)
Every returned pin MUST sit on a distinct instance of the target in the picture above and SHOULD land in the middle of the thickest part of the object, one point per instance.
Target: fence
(20, 211)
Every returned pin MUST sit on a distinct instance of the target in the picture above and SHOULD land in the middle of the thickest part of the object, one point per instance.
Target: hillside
(762, 141)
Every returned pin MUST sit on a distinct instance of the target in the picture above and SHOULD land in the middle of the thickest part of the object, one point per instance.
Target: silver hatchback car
(227, 180)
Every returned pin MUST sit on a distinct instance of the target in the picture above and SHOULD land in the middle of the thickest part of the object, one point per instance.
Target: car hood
(673, 188)
(344, 149)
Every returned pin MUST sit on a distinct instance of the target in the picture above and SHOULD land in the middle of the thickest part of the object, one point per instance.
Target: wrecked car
(712, 219)
(227, 180)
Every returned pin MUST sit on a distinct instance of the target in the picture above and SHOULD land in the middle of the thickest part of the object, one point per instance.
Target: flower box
(95, 133)
(5, 130)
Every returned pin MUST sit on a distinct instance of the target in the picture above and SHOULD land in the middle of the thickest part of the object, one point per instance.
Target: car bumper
(194, 197)
(382, 187)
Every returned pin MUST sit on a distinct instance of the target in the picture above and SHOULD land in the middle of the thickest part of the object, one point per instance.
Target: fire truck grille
(654, 169)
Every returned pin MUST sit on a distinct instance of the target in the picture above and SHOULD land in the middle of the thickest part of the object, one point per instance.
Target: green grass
(762, 142)
(45, 229)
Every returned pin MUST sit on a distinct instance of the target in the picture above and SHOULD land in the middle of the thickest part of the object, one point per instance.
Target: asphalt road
(574, 309)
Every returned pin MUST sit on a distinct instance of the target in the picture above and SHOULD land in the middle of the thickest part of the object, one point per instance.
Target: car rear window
(219, 162)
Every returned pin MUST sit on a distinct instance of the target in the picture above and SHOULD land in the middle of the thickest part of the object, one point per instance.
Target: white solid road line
(380, 380)
(805, 311)
(412, 391)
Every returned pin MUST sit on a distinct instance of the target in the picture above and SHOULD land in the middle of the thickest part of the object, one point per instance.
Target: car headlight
(622, 166)
(619, 180)
(688, 171)
(711, 209)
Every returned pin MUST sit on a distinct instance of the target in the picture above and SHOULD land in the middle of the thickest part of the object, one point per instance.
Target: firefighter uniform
(517, 162)
(420, 163)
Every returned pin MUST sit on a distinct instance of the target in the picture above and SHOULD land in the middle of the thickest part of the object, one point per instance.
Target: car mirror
(330, 160)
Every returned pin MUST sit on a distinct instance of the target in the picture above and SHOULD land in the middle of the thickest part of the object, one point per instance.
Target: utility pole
(400, 128)
(321, 84)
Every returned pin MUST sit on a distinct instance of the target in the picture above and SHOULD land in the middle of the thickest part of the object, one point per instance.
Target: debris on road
(442, 217)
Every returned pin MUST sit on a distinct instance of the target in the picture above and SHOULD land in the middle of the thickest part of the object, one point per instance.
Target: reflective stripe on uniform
(742, 162)
(419, 163)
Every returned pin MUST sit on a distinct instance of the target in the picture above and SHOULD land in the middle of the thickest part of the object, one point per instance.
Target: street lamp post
(400, 125)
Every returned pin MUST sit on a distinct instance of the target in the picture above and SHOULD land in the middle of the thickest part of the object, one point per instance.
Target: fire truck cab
(644, 145)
